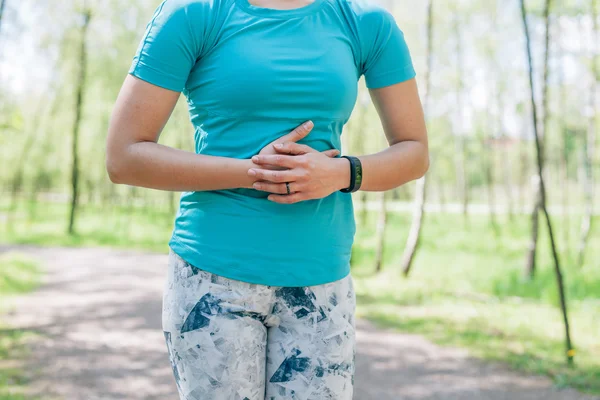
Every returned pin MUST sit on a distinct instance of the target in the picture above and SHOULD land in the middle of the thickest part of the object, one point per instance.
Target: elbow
(114, 172)
(115, 167)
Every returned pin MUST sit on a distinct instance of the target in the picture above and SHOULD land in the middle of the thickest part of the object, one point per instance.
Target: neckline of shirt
(280, 13)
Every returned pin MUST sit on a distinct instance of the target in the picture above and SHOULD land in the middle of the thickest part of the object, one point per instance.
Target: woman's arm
(401, 113)
(134, 157)
(315, 176)
(387, 67)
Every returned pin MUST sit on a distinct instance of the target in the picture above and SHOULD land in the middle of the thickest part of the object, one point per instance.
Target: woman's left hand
(310, 174)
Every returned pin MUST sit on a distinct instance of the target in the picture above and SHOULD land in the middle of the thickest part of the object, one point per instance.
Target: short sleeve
(386, 58)
(170, 46)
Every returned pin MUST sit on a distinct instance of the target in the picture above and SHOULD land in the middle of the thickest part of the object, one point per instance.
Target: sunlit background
(482, 277)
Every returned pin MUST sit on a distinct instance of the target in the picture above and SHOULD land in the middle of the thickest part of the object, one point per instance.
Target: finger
(293, 148)
(332, 153)
(300, 132)
(277, 160)
(272, 176)
(287, 199)
(277, 188)
(297, 149)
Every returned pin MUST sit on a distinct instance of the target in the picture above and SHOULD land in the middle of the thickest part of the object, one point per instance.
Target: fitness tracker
(355, 175)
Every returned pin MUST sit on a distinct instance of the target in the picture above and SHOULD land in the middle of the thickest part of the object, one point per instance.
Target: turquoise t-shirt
(251, 75)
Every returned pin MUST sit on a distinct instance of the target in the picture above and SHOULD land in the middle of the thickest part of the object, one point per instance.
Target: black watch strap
(355, 175)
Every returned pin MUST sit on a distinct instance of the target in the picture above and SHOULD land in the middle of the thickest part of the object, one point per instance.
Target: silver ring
(287, 186)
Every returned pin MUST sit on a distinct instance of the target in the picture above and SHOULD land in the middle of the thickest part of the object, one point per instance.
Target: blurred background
(463, 258)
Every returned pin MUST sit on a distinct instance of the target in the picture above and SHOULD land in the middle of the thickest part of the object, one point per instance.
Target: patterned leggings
(231, 340)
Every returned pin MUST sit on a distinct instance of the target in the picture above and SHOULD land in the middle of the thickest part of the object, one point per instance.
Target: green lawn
(17, 275)
(466, 289)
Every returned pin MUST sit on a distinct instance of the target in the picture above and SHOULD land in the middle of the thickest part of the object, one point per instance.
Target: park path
(98, 313)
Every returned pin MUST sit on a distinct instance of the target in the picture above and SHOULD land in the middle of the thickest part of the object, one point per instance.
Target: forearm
(151, 165)
(393, 167)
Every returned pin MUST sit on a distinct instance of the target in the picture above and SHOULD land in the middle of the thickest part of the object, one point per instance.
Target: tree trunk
(589, 147)
(532, 256)
(414, 237)
(16, 185)
(503, 157)
(506, 154)
(17, 179)
(489, 175)
(364, 196)
(564, 154)
(2, 6)
(487, 137)
(508, 185)
(381, 225)
(540, 164)
(459, 138)
(439, 182)
(535, 229)
(523, 169)
(77, 123)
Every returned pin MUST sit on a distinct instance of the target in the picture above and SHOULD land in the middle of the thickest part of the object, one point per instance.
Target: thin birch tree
(589, 148)
(460, 154)
(80, 89)
(535, 214)
(414, 237)
(2, 6)
(540, 165)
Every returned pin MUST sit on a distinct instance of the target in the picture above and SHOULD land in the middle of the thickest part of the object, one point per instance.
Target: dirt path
(99, 315)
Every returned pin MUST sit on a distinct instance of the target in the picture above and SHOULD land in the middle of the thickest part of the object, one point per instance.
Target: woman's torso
(259, 74)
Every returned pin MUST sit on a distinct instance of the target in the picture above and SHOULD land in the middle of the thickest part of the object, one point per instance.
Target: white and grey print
(231, 340)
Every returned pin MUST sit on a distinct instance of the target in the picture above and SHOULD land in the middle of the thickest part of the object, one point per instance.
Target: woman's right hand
(294, 136)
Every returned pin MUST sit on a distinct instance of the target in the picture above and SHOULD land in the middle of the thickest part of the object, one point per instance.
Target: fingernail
(308, 124)
(257, 186)
(255, 159)
(252, 172)
(279, 145)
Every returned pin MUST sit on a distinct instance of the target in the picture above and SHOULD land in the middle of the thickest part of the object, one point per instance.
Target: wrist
(356, 174)
(248, 164)
(343, 174)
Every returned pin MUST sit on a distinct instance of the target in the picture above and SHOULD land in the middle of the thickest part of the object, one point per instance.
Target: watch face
(357, 174)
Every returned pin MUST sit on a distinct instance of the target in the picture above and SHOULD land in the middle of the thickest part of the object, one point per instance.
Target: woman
(259, 302)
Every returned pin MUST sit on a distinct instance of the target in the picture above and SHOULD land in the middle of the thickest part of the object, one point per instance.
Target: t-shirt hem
(391, 78)
(150, 76)
(193, 257)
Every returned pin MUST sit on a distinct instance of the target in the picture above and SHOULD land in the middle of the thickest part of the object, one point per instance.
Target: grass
(118, 227)
(467, 287)
(17, 275)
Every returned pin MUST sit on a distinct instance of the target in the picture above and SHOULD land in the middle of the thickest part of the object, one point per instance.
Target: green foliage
(18, 274)
(13, 379)
(36, 144)
(468, 289)
(460, 259)
(117, 226)
(582, 283)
